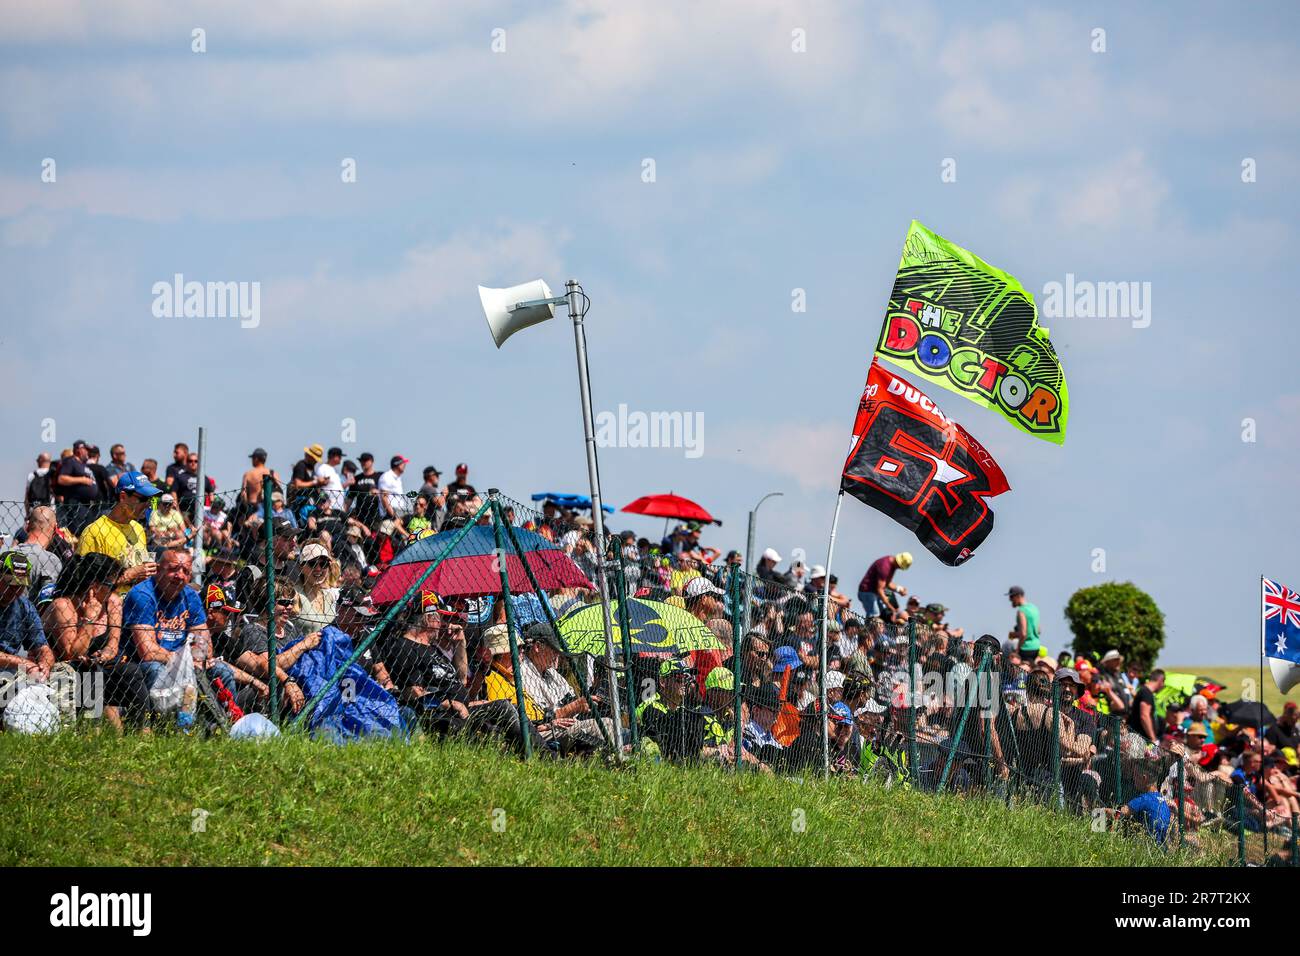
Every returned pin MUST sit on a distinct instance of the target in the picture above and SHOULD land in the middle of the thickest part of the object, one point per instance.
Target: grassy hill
(99, 800)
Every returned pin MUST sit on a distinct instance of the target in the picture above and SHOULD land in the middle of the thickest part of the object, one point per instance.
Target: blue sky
(774, 170)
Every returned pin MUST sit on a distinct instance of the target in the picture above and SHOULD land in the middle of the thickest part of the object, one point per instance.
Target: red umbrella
(670, 506)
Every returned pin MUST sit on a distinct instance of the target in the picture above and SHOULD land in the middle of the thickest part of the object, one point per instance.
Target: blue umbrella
(581, 502)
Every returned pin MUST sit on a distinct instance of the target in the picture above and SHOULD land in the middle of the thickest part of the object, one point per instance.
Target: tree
(1119, 616)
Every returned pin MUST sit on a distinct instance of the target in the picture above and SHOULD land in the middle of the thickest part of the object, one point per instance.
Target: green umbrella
(656, 628)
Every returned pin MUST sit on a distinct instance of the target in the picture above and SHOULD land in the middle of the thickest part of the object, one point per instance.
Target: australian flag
(1281, 612)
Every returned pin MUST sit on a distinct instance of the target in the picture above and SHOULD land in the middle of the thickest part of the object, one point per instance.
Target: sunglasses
(317, 563)
(288, 602)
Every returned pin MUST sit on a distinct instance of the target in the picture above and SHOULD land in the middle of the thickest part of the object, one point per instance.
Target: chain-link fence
(458, 614)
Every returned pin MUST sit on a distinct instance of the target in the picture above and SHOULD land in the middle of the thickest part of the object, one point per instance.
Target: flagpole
(826, 600)
(1264, 822)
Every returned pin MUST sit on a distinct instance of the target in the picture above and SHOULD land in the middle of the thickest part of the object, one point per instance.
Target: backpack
(38, 489)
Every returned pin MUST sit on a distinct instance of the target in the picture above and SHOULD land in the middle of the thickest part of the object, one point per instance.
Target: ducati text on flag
(914, 463)
(76, 908)
(1281, 616)
(957, 322)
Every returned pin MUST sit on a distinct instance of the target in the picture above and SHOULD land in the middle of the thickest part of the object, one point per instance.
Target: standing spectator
(392, 498)
(251, 484)
(187, 490)
(1142, 715)
(118, 533)
(1112, 667)
(41, 531)
(304, 484)
(332, 489)
(1027, 634)
(879, 579)
(149, 468)
(117, 464)
(23, 648)
(180, 454)
(435, 500)
(103, 483)
(461, 486)
(40, 484)
(79, 489)
(364, 493)
(767, 562)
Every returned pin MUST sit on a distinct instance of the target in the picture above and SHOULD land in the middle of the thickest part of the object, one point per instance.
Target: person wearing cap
(232, 662)
(250, 486)
(767, 562)
(704, 602)
(567, 723)
(1284, 731)
(461, 487)
(392, 497)
(119, 533)
(304, 483)
(764, 706)
(1026, 630)
(363, 494)
(667, 717)
(873, 590)
(435, 501)
(167, 525)
(327, 476)
(23, 647)
(284, 550)
(720, 718)
(318, 587)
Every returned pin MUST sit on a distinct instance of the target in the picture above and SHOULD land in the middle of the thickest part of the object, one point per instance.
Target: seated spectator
(119, 534)
(42, 530)
(318, 588)
(83, 623)
(1148, 808)
(667, 717)
(290, 643)
(764, 704)
(24, 651)
(216, 525)
(568, 723)
(167, 526)
(160, 614)
(225, 620)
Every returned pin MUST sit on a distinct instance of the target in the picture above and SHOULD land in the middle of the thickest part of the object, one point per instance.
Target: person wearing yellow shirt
(119, 534)
(500, 682)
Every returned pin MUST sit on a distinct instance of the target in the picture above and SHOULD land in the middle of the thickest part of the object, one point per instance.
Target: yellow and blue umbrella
(655, 628)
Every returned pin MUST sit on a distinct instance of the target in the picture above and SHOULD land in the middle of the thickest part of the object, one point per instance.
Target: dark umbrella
(1246, 713)
(472, 567)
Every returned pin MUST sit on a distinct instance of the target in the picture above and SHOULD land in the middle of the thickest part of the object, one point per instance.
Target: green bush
(1120, 616)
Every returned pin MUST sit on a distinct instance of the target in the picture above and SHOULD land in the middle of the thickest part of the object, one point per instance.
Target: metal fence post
(625, 625)
(738, 614)
(954, 741)
(272, 684)
(1240, 797)
(515, 663)
(1295, 824)
(1182, 817)
(819, 608)
(1116, 731)
(913, 755)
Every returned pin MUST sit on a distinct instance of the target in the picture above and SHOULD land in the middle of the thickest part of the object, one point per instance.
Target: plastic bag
(32, 710)
(175, 687)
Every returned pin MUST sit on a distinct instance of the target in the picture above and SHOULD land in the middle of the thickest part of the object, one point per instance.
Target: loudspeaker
(497, 303)
(1285, 673)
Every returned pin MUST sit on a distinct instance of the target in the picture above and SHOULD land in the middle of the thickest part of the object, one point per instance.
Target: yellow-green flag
(971, 328)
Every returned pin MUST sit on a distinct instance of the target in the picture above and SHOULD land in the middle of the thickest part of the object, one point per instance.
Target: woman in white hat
(318, 591)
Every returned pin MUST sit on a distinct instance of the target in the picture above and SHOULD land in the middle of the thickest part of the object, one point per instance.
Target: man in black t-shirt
(180, 452)
(1142, 715)
(461, 488)
(304, 486)
(79, 489)
(364, 492)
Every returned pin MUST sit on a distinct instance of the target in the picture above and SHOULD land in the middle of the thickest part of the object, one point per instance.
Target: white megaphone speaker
(505, 315)
(1285, 674)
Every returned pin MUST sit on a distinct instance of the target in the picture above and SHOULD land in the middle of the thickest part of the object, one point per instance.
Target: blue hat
(786, 657)
(840, 713)
(137, 483)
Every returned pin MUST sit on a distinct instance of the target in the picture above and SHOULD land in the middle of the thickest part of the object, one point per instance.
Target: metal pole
(734, 590)
(625, 626)
(955, 740)
(821, 624)
(1263, 810)
(199, 561)
(913, 753)
(597, 513)
(1182, 815)
(271, 682)
(749, 554)
(524, 727)
(1116, 730)
(1241, 824)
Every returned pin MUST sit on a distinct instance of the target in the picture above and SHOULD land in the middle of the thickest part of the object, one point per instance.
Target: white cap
(697, 586)
(817, 571)
(770, 554)
(312, 552)
(834, 679)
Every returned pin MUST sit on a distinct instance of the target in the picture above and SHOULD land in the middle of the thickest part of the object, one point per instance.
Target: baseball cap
(497, 639)
(257, 453)
(14, 568)
(1070, 674)
(1111, 655)
(215, 598)
(543, 633)
(431, 601)
(784, 659)
(397, 460)
(720, 678)
(314, 452)
(870, 707)
(834, 679)
(1289, 755)
(1016, 591)
(1207, 754)
(767, 696)
(430, 470)
(312, 552)
(771, 555)
(136, 483)
(904, 559)
(283, 528)
(358, 600)
(167, 498)
(840, 713)
(462, 468)
(674, 665)
(698, 586)
(936, 609)
(816, 571)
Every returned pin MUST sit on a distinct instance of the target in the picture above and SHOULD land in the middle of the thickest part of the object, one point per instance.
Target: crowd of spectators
(102, 579)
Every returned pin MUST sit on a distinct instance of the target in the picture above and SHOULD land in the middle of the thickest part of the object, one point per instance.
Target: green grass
(1234, 680)
(100, 800)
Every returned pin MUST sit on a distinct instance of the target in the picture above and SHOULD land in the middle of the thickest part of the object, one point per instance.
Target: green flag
(960, 323)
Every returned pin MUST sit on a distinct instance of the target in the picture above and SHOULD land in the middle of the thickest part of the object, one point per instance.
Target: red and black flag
(921, 468)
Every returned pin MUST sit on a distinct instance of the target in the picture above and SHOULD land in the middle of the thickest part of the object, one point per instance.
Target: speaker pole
(577, 310)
